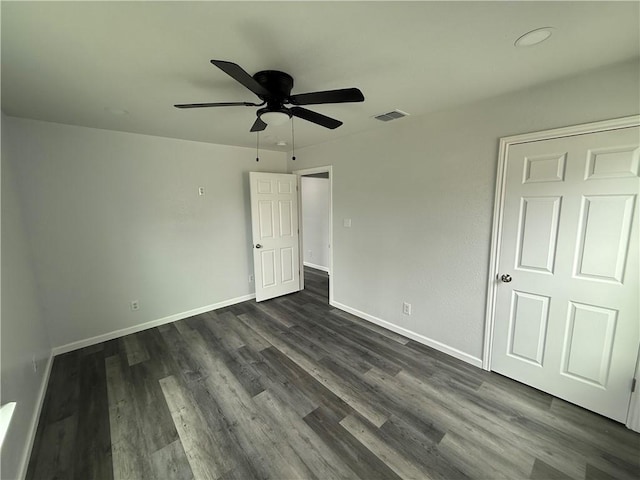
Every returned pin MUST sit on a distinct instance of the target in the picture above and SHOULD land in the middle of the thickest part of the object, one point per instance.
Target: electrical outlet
(310, 253)
(34, 363)
(250, 278)
(406, 308)
(201, 191)
(135, 305)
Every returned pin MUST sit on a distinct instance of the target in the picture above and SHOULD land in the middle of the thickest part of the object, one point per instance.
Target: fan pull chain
(293, 142)
(257, 146)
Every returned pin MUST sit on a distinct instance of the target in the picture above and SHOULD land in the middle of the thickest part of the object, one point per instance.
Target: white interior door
(274, 219)
(566, 312)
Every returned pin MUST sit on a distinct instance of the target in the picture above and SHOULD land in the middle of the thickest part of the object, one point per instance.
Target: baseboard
(317, 267)
(31, 436)
(144, 326)
(454, 352)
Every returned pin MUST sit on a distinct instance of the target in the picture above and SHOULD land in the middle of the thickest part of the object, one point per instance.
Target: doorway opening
(315, 190)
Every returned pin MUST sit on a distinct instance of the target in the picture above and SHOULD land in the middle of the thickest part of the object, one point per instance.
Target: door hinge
(633, 385)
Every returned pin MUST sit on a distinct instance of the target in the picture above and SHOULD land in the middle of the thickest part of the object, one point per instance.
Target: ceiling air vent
(393, 115)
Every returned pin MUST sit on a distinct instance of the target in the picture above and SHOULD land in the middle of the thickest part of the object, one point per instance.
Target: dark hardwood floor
(294, 389)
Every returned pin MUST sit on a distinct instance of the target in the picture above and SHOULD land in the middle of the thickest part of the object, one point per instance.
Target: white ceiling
(75, 62)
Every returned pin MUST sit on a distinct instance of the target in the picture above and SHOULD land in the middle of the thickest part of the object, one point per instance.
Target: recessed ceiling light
(534, 37)
(116, 111)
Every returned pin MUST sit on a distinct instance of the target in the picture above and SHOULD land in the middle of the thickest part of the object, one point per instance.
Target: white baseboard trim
(33, 428)
(144, 326)
(429, 342)
(317, 267)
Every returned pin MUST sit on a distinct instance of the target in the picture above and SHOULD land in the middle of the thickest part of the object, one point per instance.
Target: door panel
(530, 314)
(588, 343)
(286, 218)
(544, 168)
(603, 238)
(265, 213)
(274, 213)
(288, 265)
(268, 265)
(613, 162)
(567, 322)
(538, 233)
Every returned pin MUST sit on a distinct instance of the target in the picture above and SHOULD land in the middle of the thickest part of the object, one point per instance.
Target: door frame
(301, 173)
(498, 211)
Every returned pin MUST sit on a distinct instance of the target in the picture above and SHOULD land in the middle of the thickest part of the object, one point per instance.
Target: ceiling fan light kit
(274, 117)
(274, 89)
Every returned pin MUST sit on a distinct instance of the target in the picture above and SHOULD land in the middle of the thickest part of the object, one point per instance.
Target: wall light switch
(347, 222)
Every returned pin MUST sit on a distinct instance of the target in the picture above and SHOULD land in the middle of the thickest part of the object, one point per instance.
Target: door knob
(258, 245)
(506, 278)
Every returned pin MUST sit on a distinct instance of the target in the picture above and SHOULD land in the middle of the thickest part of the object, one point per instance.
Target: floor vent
(393, 115)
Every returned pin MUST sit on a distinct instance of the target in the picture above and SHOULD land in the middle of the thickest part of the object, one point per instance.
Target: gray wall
(420, 194)
(115, 217)
(24, 333)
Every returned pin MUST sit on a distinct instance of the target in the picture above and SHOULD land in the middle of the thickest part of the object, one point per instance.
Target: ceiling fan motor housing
(279, 84)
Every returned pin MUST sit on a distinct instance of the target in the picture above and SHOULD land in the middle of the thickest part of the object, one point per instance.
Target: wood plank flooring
(294, 389)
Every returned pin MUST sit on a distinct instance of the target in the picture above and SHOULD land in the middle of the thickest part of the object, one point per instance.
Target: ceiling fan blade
(218, 104)
(343, 95)
(315, 117)
(258, 125)
(239, 75)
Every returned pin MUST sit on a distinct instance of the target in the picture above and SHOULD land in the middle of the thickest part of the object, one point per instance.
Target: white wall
(115, 217)
(315, 222)
(24, 334)
(420, 195)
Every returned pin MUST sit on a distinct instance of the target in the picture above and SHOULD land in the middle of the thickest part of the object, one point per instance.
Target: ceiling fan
(274, 89)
